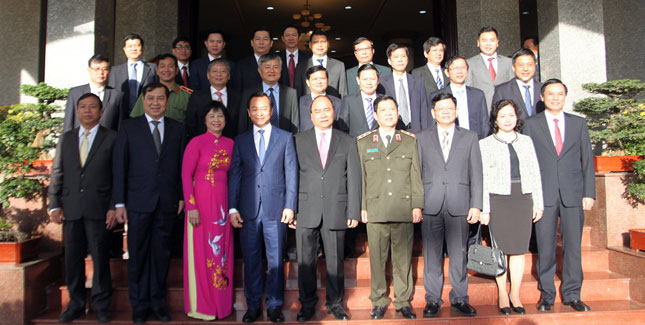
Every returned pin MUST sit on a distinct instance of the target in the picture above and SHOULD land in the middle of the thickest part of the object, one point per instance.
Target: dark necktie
(156, 136)
(369, 113)
(438, 81)
(403, 103)
(274, 117)
(388, 140)
(321, 62)
(184, 75)
(291, 69)
(133, 84)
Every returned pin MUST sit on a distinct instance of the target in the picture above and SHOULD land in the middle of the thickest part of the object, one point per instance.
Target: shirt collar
(295, 53)
(92, 130)
(383, 134)
(550, 116)
(521, 83)
(266, 128)
(213, 90)
(314, 96)
(150, 119)
(211, 58)
(265, 87)
(450, 130)
(455, 87)
(94, 88)
(494, 56)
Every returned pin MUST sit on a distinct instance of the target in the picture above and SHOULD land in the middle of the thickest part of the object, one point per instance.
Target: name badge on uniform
(373, 150)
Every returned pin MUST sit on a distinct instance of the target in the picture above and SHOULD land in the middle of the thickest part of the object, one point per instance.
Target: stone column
(624, 30)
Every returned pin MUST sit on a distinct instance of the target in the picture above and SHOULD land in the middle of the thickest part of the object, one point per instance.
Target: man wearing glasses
(364, 53)
(182, 51)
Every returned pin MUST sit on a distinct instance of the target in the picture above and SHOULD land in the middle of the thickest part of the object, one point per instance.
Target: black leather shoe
(275, 315)
(305, 314)
(377, 312)
(407, 312)
(464, 308)
(103, 316)
(251, 315)
(338, 312)
(70, 315)
(431, 310)
(505, 311)
(139, 316)
(578, 305)
(544, 306)
(161, 315)
(518, 310)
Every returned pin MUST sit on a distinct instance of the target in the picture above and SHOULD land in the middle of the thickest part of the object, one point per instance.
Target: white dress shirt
(224, 95)
(276, 95)
(313, 96)
(139, 65)
(520, 85)
(211, 58)
(90, 137)
(441, 131)
(160, 126)
(256, 138)
(383, 134)
(98, 91)
(402, 97)
(181, 66)
(314, 60)
(462, 104)
(433, 70)
(485, 58)
(551, 124)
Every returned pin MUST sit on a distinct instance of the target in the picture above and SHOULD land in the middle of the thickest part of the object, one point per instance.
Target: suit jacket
(510, 90)
(305, 114)
(274, 182)
(199, 102)
(352, 85)
(114, 110)
(197, 79)
(83, 192)
(284, 76)
(570, 176)
(329, 195)
(419, 109)
(352, 116)
(288, 109)
(429, 81)
(479, 77)
(335, 70)
(457, 182)
(477, 112)
(246, 74)
(119, 77)
(144, 179)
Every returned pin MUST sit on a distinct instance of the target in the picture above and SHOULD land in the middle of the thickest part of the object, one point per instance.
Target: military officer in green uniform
(178, 100)
(392, 199)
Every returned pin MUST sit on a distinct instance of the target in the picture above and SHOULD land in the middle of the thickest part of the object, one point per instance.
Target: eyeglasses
(183, 47)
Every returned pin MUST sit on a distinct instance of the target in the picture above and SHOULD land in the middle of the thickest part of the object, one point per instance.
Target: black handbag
(488, 260)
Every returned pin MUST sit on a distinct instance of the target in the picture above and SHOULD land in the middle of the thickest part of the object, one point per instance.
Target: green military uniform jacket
(392, 184)
(177, 103)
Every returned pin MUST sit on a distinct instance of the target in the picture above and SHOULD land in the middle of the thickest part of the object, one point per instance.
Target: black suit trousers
(307, 250)
(149, 244)
(81, 235)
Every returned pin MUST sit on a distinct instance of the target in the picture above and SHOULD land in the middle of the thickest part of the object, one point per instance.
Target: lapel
(456, 137)
(537, 88)
(473, 113)
(282, 103)
(106, 96)
(434, 139)
(76, 152)
(393, 142)
(98, 139)
(482, 68)
(518, 94)
(361, 112)
(166, 134)
(270, 145)
(145, 128)
(569, 133)
(388, 83)
(146, 72)
(333, 145)
(546, 134)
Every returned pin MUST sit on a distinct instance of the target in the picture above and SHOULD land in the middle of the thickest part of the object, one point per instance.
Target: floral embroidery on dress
(192, 200)
(220, 159)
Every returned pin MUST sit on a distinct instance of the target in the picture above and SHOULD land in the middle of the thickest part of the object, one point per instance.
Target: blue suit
(266, 189)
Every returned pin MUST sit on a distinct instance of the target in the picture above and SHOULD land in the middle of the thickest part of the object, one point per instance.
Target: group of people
(293, 140)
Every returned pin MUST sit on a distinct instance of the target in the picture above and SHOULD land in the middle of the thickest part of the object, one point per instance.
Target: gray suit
(419, 109)
(335, 70)
(430, 82)
(510, 90)
(327, 197)
(352, 116)
(451, 188)
(566, 179)
(119, 78)
(477, 112)
(113, 108)
(289, 119)
(352, 85)
(479, 77)
(305, 114)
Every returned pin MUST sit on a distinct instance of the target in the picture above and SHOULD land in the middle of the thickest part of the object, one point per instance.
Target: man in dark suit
(147, 182)
(564, 153)
(451, 168)
(218, 77)
(432, 73)
(317, 82)
(246, 75)
(215, 45)
(408, 90)
(329, 203)
(182, 50)
(357, 114)
(112, 99)
(80, 196)
(283, 98)
(523, 86)
(291, 57)
(488, 68)
(263, 189)
(364, 53)
(319, 45)
(135, 74)
(471, 103)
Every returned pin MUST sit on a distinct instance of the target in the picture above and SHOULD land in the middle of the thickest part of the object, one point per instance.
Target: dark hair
(180, 39)
(322, 96)
(219, 60)
(455, 58)
(393, 47)
(442, 96)
(535, 39)
(154, 85)
(256, 95)
(432, 41)
(318, 32)
(166, 56)
(290, 26)
(131, 37)
(214, 31)
(361, 40)
(88, 95)
(487, 29)
(367, 66)
(215, 106)
(380, 99)
(261, 29)
(98, 58)
(522, 52)
(269, 57)
(494, 111)
(316, 68)
(551, 82)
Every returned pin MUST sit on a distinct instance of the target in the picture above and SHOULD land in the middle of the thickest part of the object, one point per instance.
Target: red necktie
(291, 69)
(184, 75)
(219, 96)
(321, 149)
(558, 137)
(491, 70)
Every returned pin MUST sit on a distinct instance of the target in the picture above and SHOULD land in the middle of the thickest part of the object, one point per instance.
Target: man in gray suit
(317, 82)
(329, 203)
(319, 45)
(451, 169)
(357, 114)
(364, 53)
(488, 68)
(523, 90)
(564, 153)
(112, 99)
(432, 73)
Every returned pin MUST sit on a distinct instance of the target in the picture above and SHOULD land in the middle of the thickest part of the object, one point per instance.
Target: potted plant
(16, 246)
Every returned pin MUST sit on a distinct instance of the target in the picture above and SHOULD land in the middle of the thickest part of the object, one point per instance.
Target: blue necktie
(133, 83)
(261, 147)
(528, 102)
(274, 117)
(369, 113)
(321, 62)
(439, 82)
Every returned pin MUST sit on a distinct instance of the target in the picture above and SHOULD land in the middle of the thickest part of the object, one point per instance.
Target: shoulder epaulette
(186, 89)
(408, 133)
(365, 134)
